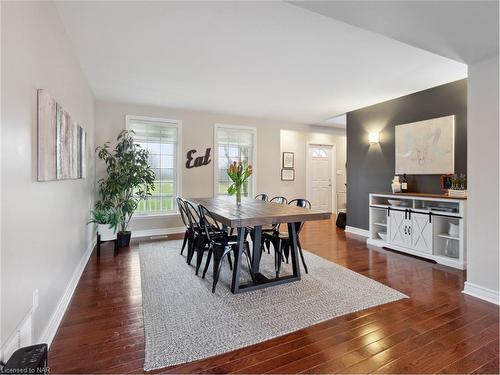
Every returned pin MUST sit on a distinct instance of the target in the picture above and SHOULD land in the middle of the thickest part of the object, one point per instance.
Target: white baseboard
(22, 336)
(157, 232)
(56, 318)
(357, 231)
(481, 292)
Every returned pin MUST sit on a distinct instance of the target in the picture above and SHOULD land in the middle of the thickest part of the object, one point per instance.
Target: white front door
(320, 177)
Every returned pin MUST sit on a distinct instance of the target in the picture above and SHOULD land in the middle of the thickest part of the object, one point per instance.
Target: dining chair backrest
(300, 202)
(304, 203)
(279, 199)
(208, 223)
(193, 215)
(262, 197)
(182, 211)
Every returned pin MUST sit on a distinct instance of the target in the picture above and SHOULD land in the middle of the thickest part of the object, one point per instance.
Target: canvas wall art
(426, 147)
(61, 142)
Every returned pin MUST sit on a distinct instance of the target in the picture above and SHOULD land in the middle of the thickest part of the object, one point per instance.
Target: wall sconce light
(373, 137)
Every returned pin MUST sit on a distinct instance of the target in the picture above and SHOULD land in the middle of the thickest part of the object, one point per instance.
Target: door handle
(406, 214)
(409, 230)
(405, 230)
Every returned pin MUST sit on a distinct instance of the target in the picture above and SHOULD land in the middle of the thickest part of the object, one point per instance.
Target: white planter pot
(107, 233)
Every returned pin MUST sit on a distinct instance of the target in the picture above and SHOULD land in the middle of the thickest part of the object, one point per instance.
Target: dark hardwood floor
(438, 329)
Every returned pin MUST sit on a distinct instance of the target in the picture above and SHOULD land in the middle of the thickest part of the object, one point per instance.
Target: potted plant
(129, 180)
(239, 174)
(107, 222)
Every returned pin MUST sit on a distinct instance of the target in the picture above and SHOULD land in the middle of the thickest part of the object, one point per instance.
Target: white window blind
(160, 138)
(233, 144)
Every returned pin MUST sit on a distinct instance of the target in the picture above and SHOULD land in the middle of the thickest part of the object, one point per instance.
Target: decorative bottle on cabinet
(396, 185)
(404, 184)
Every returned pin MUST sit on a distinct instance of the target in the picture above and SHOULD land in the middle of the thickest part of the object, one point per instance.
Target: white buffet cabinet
(420, 225)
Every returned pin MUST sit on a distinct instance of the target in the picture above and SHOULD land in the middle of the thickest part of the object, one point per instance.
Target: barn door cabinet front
(426, 225)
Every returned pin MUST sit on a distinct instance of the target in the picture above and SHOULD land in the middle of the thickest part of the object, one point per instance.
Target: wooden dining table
(257, 213)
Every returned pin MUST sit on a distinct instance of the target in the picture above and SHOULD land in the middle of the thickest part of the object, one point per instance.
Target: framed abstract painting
(426, 147)
(61, 142)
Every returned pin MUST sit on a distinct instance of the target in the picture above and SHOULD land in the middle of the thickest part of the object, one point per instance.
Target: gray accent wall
(370, 168)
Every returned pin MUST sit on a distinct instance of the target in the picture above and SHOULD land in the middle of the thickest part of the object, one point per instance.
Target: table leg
(235, 283)
(256, 253)
(292, 234)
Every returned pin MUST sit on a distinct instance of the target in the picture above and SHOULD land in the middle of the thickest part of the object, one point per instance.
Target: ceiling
(465, 31)
(261, 59)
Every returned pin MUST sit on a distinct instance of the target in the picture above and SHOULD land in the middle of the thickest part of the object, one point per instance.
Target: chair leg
(217, 267)
(189, 249)
(186, 235)
(249, 262)
(278, 254)
(283, 247)
(286, 251)
(209, 256)
(194, 245)
(302, 256)
(230, 261)
(277, 260)
(265, 245)
(199, 256)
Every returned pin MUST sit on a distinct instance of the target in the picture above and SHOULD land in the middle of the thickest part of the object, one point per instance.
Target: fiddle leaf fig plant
(129, 177)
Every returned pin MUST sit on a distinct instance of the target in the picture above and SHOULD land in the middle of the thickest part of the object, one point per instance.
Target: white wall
(44, 231)
(198, 133)
(483, 179)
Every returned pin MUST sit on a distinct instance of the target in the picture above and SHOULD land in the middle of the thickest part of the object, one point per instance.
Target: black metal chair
(196, 237)
(182, 211)
(198, 243)
(300, 202)
(279, 199)
(220, 246)
(282, 242)
(262, 197)
(273, 228)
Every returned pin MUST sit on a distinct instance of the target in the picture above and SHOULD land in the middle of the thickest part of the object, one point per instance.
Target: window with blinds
(160, 137)
(234, 143)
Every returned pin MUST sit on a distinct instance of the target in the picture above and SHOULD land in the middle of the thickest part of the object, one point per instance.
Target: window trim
(251, 129)
(178, 174)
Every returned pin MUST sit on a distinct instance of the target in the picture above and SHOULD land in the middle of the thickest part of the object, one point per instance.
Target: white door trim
(333, 161)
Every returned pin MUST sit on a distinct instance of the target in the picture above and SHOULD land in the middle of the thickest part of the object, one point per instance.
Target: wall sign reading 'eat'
(199, 161)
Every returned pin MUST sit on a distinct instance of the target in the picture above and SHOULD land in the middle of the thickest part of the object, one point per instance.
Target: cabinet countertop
(422, 195)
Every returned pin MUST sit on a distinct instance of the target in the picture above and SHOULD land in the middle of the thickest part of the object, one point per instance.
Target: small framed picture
(287, 174)
(288, 160)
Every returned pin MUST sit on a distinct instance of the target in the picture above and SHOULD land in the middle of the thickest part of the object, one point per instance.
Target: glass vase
(238, 195)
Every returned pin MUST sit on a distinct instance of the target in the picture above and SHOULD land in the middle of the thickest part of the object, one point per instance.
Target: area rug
(184, 321)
